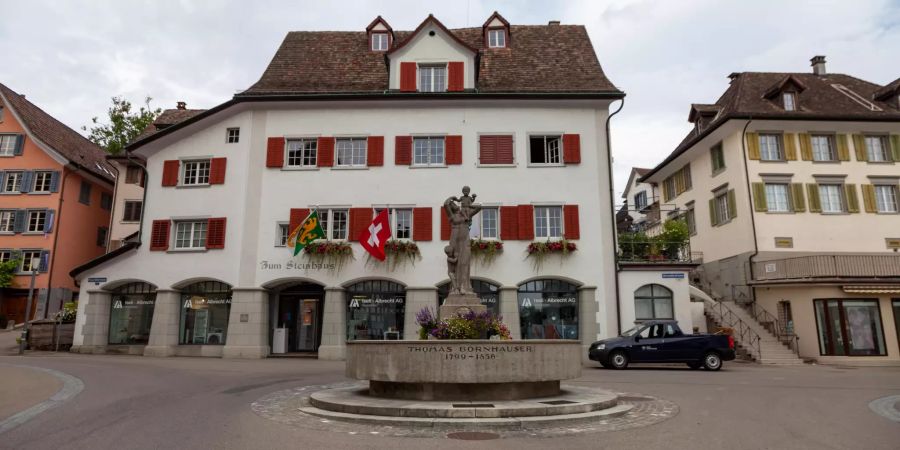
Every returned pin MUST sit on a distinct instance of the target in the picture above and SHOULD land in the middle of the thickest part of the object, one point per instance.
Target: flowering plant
(399, 252)
(538, 251)
(487, 250)
(67, 314)
(336, 253)
(470, 325)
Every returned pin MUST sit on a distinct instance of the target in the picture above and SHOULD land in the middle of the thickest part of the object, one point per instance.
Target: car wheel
(618, 360)
(712, 361)
(695, 365)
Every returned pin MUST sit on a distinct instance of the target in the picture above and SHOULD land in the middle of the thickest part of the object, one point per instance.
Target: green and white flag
(309, 230)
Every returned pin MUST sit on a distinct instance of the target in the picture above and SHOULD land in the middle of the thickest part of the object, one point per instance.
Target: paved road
(135, 402)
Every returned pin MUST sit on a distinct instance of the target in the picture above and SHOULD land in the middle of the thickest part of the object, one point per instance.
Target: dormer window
(433, 78)
(497, 38)
(379, 42)
(790, 103)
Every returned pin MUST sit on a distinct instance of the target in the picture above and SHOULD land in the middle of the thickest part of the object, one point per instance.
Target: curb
(72, 386)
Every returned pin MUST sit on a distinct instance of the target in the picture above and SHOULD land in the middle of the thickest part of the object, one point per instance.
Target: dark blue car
(662, 341)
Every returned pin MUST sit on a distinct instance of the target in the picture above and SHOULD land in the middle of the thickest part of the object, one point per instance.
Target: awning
(870, 289)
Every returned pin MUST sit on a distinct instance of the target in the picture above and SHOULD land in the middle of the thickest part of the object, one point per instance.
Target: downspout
(58, 218)
(612, 229)
(750, 200)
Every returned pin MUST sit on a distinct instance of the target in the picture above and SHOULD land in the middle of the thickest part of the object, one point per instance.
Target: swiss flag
(376, 235)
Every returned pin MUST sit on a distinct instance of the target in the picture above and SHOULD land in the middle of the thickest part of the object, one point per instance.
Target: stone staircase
(759, 343)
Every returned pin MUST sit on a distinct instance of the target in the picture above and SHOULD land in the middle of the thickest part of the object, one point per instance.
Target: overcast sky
(70, 57)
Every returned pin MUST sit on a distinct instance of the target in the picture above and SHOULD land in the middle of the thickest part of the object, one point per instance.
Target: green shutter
(797, 201)
(759, 197)
(712, 212)
(868, 194)
(859, 144)
(805, 146)
(852, 199)
(732, 205)
(843, 149)
(753, 146)
(815, 204)
(895, 147)
(790, 147)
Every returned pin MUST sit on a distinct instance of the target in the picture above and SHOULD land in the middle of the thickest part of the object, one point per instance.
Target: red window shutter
(360, 219)
(297, 216)
(403, 150)
(159, 235)
(570, 222)
(453, 146)
(526, 222)
(445, 225)
(325, 151)
(375, 151)
(487, 149)
(509, 223)
(455, 76)
(571, 149)
(496, 149)
(170, 173)
(215, 233)
(422, 224)
(217, 171)
(505, 150)
(407, 77)
(275, 152)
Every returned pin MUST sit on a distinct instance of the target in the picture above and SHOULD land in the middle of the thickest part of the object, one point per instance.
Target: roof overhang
(104, 258)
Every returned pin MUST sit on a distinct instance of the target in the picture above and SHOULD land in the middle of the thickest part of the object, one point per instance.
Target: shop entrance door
(308, 325)
(301, 315)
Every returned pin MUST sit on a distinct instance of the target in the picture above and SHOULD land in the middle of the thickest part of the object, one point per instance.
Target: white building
(348, 123)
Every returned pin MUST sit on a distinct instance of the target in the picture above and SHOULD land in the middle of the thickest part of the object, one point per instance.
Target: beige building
(789, 185)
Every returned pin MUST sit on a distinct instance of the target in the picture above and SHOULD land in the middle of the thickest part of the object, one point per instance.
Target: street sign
(97, 280)
(673, 275)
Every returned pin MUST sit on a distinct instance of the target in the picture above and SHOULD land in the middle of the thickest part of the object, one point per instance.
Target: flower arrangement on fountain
(470, 325)
(486, 249)
(336, 253)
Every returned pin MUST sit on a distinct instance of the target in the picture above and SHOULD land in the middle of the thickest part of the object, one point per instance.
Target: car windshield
(630, 331)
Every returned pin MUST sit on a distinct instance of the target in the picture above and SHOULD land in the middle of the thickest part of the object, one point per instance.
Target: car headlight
(601, 347)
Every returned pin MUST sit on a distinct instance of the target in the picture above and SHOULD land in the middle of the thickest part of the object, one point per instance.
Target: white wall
(119, 229)
(631, 280)
(425, 49)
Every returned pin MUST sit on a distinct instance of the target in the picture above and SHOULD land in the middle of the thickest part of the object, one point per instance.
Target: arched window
(548, 309)
(205, 307)
(653, 301)
(488, 293)
(375, 310)
(131, 314)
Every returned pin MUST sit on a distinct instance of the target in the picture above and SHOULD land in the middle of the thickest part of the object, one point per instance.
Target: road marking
(72, 386)
(884, 407)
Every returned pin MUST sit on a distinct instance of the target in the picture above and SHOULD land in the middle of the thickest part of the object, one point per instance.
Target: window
(545, 149)
(375, 310)
(429, 151)
(486, 224)
(849, 327)
(640, 200)
(102, 235)
(106, 200)
(8, 144)
(232, 135)
(432, 78)
(778, 198)
(31, 260)
(379, 42)
(7, 221)
(195, 173)
(886, 198)
(823, 148)
(548, 309)
(205, 308)
(717, 154)
(132, 211)
(691, 220)
(190, 235)
(496, 38)
(42, 181)
(131, 314)
(301, 152)
(351, 152)
(669, 188)
(789, 104)
(770, 147)
(334, 223)
(653, 301)
(13, 182)
(402, 226)
(6, 256)
(36, 221)
(831, 198)
(488, 293)
(877, 149)
(722, 208)
(84, 195)
(282, 233)
(134, 175)
(548, 222)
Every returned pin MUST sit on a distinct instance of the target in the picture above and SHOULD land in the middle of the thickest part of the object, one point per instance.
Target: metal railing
(743, 332)
(654, 252)
(775, 326)
(828, 266)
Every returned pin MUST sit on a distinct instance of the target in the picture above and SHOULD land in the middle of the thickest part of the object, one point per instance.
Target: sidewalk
(23, 388)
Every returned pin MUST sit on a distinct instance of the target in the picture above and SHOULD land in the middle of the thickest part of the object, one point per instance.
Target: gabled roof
(380, 20)
(699, 109)
(784, 83)
(168, 118)
(497, 16)
(891, 90)
(636, 172)
(431, 20)
(74, 147)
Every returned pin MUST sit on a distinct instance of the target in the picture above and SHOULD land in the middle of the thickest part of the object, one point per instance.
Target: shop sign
(365, 302)
(295, 265)
(529, 302)
(201, 301)
(131, 303)
(673, 275)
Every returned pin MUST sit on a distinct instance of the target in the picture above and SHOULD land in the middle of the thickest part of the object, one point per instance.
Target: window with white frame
(486, 225)
(302, 152)
(36, 221)
(432, 78)
(777, 197)
(400, 220)
(691, 220)
(131, 212)
(334, 223)
(722, 207)
(877, 149)
(831, 198)
(190, 234)
(789, 103)
(7, 220)
(428, 151)
(12, 181)
(42, 181)
(351, 152)
(31, 260)
(545, 149)
(886, 198)
(379, 42)
(823, 148)
(496, 38)
(282, 232)
(6, 256)
(548, 222)
(8, 144)
(232, 135)
(640, 200)
(195, 172)
(770, 147)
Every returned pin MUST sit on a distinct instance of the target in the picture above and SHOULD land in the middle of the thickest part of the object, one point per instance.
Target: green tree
(124, 124)
(7, 272)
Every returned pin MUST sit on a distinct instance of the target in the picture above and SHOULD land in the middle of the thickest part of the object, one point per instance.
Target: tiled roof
(892, 89)
(64, 140)
(168, 118)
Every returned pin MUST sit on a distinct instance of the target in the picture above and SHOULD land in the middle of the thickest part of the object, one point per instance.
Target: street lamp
(35, 263)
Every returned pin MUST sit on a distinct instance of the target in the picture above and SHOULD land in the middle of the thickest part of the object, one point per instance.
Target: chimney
(553, 23)
(818, 65)
(733, 76)
(181, 105)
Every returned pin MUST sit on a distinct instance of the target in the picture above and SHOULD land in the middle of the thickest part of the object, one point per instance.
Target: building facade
(55, 201)
(348, 124)
(789, 185)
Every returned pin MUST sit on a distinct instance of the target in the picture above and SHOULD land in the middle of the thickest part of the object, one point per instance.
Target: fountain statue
(461, 299)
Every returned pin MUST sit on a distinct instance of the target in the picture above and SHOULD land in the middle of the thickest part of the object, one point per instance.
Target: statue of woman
(460, 216)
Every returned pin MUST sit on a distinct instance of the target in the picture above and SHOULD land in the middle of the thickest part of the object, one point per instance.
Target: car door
(676, 345)
(647, 348)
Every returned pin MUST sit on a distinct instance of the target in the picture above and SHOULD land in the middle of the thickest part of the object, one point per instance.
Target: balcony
(647, 251)
(823, 267)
